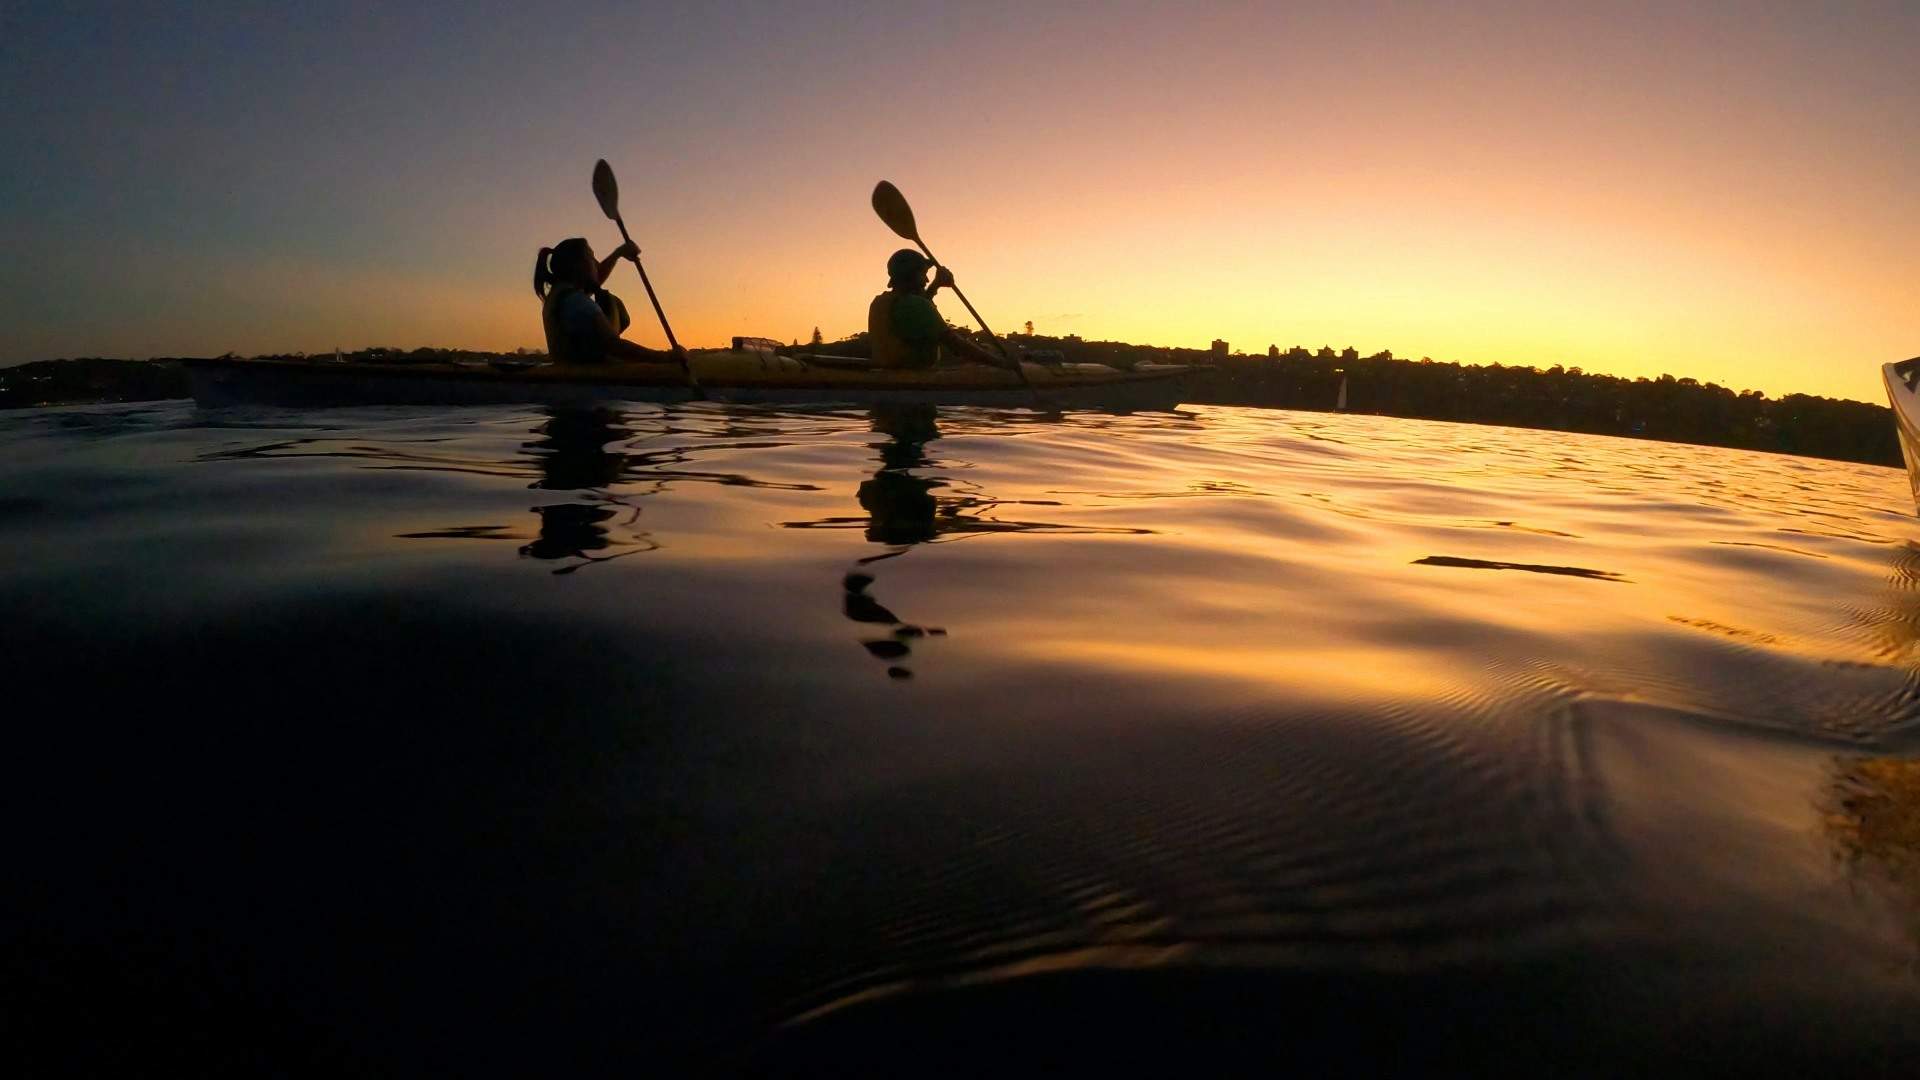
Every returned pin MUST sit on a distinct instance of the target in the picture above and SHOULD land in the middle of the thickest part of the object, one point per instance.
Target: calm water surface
(376, 740)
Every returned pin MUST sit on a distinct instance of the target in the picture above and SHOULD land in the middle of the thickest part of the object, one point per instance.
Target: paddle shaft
(671, 340)
(685, 368)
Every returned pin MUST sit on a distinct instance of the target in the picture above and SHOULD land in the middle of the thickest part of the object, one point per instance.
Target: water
(374, 740)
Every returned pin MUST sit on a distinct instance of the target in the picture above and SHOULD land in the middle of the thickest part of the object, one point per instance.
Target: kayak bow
(1903, 393)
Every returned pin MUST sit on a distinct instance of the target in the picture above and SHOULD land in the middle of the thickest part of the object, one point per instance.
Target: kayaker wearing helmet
(906, 329)
(583, 321)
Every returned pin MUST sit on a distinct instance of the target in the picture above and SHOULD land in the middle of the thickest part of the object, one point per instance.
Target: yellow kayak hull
(735, 377)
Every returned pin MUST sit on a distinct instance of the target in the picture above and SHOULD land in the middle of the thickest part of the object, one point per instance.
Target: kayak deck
(735, 377)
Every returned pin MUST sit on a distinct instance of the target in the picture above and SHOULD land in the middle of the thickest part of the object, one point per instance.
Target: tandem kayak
(1903, 393)
(726, 376)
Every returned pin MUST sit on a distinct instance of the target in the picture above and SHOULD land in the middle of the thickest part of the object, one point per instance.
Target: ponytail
(569, 254)
(542, 272)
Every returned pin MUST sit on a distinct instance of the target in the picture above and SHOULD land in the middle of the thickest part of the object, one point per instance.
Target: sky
(1724, 191)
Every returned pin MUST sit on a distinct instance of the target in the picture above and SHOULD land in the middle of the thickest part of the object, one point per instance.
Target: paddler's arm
(622, 349)
(961, 345)
(625, 250)
(619, 348)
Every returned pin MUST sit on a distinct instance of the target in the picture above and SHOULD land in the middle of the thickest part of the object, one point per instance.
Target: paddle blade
(606, 189)
(893, 209)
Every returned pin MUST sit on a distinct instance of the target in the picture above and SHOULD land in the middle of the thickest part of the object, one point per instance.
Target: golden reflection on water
(1389, 559)
(1289, 691)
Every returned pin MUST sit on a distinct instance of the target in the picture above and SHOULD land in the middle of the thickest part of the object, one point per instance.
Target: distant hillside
(90, 379)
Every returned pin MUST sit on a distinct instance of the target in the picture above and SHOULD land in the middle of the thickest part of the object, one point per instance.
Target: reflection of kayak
(744, 377)
(1903, 392)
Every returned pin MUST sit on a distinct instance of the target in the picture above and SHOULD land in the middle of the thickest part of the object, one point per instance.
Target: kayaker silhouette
(583, 322)
(573, 457)
(904, 327)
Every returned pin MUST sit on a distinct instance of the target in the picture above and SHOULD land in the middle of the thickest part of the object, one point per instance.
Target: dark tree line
(1666, 408)
(1557, 398)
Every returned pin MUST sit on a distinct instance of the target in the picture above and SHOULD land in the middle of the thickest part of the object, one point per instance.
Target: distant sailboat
(1341, 405)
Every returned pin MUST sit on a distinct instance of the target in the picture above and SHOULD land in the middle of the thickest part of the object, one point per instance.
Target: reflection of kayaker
(893, 648)
(900, 505)
(905, 506)
(573, 457)
(902, 511)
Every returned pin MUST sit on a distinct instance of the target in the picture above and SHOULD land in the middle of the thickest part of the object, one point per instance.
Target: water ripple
(713, 704)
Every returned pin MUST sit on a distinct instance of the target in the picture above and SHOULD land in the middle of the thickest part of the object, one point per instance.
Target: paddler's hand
(627, 250)
(679, 353)
(942, 279)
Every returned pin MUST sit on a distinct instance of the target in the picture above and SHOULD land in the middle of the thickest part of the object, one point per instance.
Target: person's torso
(902, 327)
(572, 336)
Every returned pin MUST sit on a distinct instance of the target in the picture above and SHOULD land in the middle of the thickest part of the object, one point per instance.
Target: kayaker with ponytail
(906, 330)
(583, 322)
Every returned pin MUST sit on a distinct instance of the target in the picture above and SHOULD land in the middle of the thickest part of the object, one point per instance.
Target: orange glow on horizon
(1698, 193)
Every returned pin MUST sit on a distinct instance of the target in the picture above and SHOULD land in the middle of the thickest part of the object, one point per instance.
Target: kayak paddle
(607, 191)
(893, 209)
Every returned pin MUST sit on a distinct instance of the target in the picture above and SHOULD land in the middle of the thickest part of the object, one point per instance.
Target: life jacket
(566, 348)
(890, 350)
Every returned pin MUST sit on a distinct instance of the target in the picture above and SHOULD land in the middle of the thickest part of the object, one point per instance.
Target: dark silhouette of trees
(1557, 398)
(1675, 410)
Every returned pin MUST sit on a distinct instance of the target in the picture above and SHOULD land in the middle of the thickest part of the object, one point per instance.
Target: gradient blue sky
(1725, 191)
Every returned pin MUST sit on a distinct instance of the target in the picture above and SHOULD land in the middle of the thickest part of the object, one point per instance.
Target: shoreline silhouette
(1664, 408)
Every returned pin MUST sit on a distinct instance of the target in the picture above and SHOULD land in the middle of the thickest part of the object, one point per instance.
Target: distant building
(1273, 352)
(754, 344)
(1219, 348)
(1299, 352)
(1349, 354)
(1325, 353)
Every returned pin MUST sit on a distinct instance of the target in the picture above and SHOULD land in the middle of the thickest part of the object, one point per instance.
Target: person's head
(907, 269)
(570, 262)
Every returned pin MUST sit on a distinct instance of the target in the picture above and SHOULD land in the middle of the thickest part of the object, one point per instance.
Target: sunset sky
(1730, 192)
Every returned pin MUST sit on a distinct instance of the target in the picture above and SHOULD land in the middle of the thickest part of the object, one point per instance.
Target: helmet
(906, 265)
